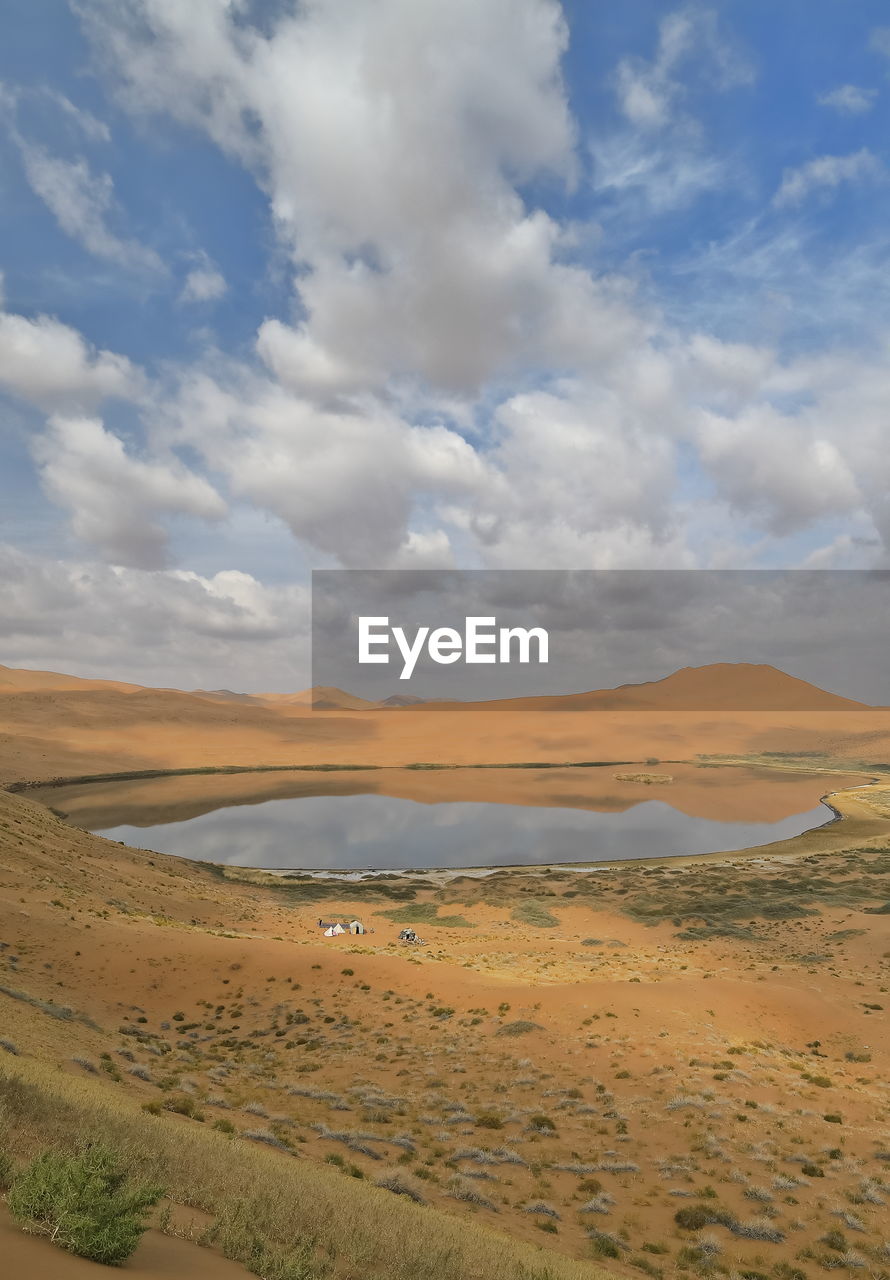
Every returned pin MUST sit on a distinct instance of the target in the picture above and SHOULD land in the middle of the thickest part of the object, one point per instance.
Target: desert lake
(414, 819)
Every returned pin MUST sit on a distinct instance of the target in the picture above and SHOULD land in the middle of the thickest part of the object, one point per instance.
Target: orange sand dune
(321, 697)
(91, 727)
(722, 686)
(13, 679)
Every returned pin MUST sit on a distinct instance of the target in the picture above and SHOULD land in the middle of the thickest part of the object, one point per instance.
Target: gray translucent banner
(808, 633)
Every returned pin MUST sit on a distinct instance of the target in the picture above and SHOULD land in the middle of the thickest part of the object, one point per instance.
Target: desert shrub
(541, 1124)
(268, 1137)
(478, 1155)
(603, 1245)
(463, 1190)
(541, 1207)
(835, 1240)
(183, 1105)
(601, 1203)
(757, 1229)
(84, 1203)
(489, 1120)
(695, 1216)
(401, 1184)
(519, 1028)
(692, 1218)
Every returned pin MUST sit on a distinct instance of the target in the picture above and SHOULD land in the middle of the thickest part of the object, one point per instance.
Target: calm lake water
(357, 827)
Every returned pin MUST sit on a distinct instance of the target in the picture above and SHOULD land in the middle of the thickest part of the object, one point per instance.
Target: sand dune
(319, 697)
(83, 727)
(20, 679)
(158, 1257)
(721, 686)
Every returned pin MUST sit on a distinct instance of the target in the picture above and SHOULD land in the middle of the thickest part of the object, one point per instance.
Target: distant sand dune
(53, 725)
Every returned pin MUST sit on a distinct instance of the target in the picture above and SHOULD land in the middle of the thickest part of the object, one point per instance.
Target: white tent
(334, 931)
(356, 926)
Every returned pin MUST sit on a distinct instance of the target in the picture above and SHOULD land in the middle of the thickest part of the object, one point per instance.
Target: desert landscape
(659, 1066)
(444, 597)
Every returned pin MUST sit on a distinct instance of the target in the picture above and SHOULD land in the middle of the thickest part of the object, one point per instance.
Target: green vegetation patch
(534, 913)
(425, 913)
(84, 1203)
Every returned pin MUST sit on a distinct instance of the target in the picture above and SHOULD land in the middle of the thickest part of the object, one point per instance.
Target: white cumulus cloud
(52, 365)
(114, 498)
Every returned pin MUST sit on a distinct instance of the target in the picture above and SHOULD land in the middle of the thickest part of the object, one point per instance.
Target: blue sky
(500, 283)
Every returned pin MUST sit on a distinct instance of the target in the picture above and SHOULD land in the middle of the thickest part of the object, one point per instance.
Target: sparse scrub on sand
(539, 1123)
(281, 1218)
(543, 1208)
(500, 1155)
(401, 1184)
(268, 1137)
(61, 1011)
(83, 1203)
(521, 1027)
(464, 1190)
(601, 1203)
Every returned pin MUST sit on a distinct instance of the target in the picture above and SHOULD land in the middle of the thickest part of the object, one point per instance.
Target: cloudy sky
(412, 284)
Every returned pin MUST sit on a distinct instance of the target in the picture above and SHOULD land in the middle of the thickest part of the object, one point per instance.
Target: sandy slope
(158, 1257)
(644, 1046)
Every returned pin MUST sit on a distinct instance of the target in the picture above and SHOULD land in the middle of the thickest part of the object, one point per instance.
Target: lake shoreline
(852, 818)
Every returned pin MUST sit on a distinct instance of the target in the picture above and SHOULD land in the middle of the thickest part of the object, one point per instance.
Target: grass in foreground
(282, 1218)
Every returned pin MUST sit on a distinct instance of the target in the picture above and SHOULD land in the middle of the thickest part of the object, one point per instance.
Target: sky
(602, 629)
(401, 284)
